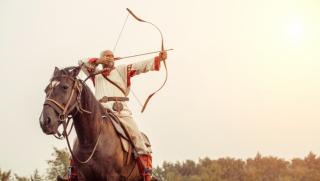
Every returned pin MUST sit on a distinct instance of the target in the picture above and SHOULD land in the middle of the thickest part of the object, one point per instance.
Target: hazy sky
(244, 76)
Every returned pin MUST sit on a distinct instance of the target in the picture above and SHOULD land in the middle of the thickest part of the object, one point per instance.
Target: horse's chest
(98, 169)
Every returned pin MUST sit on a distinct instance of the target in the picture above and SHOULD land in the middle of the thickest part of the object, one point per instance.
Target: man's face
(108, 56)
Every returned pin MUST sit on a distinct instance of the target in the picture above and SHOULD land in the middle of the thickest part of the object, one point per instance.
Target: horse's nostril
(48, 120)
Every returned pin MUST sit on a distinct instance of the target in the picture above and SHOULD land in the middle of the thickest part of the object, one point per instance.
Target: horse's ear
(76, 71)
(56, 70)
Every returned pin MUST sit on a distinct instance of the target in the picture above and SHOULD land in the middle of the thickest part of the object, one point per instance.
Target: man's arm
(89, 65)
(147, 65)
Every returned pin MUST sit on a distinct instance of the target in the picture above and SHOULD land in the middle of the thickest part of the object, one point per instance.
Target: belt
(107, 99)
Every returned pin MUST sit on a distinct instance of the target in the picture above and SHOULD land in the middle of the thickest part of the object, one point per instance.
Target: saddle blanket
(125, 140)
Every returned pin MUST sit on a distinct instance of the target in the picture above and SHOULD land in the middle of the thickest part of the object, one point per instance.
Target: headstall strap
(63, 110)
(77, 86)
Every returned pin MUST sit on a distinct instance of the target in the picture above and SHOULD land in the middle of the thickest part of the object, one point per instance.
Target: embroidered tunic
(121, 75)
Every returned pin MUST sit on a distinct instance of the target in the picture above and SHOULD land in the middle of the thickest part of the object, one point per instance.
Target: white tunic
(121, 75)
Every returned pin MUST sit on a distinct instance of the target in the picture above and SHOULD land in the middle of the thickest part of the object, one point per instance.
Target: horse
(97, 152)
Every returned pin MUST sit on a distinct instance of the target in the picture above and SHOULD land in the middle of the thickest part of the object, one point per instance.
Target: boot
(72, 172)
(145, 166)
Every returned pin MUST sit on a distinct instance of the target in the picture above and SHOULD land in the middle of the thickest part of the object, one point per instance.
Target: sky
(244, 76)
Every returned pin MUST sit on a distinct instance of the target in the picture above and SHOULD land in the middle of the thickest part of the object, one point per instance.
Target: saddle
(123, 134)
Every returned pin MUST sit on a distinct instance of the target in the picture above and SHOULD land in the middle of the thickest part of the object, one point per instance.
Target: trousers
(139, 141)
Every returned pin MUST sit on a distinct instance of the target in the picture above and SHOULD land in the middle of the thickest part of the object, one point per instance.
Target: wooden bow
(164, 61)
(162, 49)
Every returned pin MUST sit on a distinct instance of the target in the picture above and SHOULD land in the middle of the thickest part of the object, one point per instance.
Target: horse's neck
(88, 126)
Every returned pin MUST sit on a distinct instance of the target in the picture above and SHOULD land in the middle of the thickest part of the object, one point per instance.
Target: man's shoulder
(87, 59)
(92, 59)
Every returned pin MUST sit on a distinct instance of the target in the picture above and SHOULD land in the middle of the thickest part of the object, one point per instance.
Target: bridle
(64, 112)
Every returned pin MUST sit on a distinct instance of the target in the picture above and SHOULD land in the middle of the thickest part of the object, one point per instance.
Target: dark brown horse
(66, 95)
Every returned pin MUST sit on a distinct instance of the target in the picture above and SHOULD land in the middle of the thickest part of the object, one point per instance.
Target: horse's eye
(65, 87)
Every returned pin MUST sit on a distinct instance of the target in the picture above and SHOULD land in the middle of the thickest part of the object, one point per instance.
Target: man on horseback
(112, 87)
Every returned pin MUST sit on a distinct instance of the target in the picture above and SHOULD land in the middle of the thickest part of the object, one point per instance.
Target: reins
(60, 136)
(73, 155)
(65, 115)
(64, 112)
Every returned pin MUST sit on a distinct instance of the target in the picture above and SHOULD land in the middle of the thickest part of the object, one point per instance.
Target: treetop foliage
(259, 168)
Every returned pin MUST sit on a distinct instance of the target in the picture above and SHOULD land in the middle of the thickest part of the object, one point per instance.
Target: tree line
(259, 168)
(58, 165)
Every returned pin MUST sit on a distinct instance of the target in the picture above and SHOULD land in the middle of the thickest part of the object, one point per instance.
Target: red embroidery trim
(156, 63)
(130, 73)
(92, 60)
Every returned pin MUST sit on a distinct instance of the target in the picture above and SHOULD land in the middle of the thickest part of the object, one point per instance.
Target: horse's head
(62, 97)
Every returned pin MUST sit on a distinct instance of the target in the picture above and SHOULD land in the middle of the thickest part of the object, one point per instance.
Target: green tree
(36, 176)
(58, 165)
(5, 175)
(158, 172)
(18, 178)
(258, 168)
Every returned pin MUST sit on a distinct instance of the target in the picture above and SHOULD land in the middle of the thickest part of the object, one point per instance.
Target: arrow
(118, 58)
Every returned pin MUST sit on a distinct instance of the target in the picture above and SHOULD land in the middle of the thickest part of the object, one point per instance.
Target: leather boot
(72, 172)
(145, 166)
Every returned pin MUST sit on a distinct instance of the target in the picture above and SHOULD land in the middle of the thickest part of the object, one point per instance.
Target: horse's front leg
(114, 176)
(82, 177)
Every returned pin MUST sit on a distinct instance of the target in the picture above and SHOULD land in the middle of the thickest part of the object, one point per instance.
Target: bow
(162, 49)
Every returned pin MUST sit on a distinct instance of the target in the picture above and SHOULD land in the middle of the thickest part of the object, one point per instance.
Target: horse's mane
(87, 96)
(90, 99)
(63, 72)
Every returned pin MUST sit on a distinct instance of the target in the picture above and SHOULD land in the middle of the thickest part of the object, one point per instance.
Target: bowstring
(114, 49)
(124, 24)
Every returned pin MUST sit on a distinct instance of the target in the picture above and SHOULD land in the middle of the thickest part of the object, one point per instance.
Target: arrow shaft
(131, 56)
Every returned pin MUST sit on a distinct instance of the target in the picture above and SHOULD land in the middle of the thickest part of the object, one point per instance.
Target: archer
(112, 87)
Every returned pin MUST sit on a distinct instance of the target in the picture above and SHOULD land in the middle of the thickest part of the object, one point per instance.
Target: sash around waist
(107, 99)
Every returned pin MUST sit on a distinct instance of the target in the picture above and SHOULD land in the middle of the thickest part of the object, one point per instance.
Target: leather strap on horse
(72, 154)
(113, 116)
(164, 62)
(63, 115)
(55, 104)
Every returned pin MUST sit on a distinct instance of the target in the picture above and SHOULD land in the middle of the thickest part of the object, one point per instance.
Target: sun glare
(295, 30)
